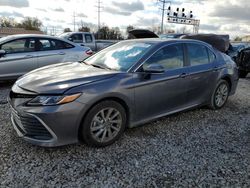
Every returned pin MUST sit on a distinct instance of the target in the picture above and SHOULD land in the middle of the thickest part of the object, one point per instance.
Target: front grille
(30, 126)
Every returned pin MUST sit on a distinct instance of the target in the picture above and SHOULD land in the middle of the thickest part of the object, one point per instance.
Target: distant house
(5, 31)
(246, 38)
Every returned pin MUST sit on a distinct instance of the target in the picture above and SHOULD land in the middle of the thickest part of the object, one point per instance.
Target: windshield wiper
(97, 66)
(100, 66)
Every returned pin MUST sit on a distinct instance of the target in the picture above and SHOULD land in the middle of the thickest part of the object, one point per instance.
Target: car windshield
(120, 56)
(3, 39)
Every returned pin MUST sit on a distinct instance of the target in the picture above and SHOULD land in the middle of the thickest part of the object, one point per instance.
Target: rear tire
(220, 95)
(243, 74)
(104, 124)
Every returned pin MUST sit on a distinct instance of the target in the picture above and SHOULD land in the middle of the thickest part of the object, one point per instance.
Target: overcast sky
(217, 16)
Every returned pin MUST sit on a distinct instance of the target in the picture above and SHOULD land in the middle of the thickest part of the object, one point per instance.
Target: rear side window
(170, 57)
(51, 44)
(58, 44)
(211, 56)
(19, 46)
(198, 54)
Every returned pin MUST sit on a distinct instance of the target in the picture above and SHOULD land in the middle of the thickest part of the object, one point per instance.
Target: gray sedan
(20, 54)
(124, 85)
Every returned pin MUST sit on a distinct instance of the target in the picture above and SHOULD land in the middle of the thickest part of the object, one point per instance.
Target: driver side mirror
(2, 53)
(154, 68)
(70, 39)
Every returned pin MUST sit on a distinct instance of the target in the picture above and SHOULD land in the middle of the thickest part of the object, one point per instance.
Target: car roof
(13, 37)
(168, 41)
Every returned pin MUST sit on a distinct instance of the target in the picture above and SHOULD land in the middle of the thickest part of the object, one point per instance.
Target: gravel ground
(198, 148)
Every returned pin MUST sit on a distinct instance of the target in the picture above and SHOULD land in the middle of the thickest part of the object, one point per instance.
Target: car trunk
(141, 33)
(220, 42)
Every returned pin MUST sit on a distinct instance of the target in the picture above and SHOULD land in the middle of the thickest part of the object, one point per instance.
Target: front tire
(220, 95)
(104, 124)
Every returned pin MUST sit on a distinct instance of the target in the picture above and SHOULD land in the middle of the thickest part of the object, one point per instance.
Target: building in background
(246, 38)
(5, 31)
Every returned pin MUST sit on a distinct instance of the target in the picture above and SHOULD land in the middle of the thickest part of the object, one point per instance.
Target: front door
(158, 94)
(19, 59)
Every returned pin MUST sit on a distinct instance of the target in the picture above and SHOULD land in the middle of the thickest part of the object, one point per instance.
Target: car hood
(56, 79)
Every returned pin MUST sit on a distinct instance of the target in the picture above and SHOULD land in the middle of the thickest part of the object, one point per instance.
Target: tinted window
(170, 57)
(19, 45)
(211, 56)
(197, 54)
(77, 38)
(51, 44)
(57, 44)
(43, 44)
(88, 38)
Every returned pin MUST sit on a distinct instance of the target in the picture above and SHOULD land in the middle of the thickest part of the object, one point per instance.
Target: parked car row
(20, 54)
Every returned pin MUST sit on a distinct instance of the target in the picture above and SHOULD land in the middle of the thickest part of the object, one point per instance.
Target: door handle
(61, 53)
(183, 75)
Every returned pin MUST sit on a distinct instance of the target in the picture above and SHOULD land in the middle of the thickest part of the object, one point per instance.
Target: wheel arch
(228, 80)
(110, 98)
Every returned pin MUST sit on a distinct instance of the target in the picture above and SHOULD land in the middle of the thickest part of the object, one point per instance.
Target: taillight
(89, 52)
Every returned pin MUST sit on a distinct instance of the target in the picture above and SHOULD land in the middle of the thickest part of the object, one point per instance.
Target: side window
(211, 56)
(197, 54)
(57, 45)
(170, 57)
(43, 45)
(51, 44)
(19, 46)
(88, 38)
(77, 38)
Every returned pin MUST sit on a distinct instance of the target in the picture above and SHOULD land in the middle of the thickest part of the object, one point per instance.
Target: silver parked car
(20, 54)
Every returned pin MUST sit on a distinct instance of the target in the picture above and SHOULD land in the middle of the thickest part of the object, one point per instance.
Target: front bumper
(48, 126)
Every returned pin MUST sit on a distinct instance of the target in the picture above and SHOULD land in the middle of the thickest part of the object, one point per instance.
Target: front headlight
(53, 100)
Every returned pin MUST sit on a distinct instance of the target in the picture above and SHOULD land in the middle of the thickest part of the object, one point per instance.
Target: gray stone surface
(197, 148)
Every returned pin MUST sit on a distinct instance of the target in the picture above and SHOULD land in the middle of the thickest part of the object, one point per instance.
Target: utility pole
(74, 20)
(163, 12)
(99, 7)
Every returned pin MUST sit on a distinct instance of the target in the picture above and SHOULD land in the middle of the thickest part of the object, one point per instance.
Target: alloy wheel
(106, 124)
(221, 95)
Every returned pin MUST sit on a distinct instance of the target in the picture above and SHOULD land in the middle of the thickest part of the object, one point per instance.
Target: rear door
(20, 57)
(202, 73)
(52, 51)
(89, 41)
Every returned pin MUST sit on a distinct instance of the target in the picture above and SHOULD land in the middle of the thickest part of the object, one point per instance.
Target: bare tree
(30, 23)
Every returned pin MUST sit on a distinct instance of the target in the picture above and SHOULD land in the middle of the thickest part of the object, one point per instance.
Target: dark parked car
(124, 85)
(240, 53)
